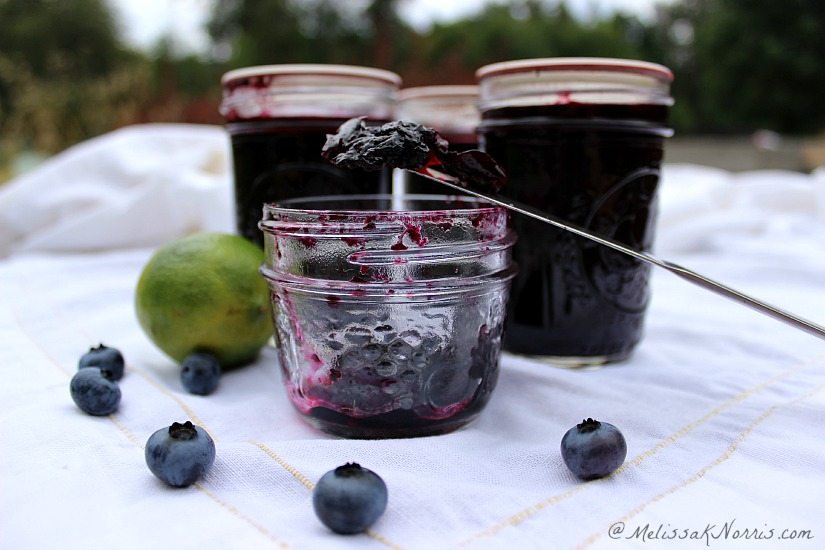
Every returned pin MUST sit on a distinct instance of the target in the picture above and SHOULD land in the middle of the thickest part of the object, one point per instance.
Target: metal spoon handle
(683, 272)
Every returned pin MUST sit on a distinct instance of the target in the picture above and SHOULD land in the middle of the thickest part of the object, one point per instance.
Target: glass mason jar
(583, 139)
(278, 117)
(452, 111)
(389, 310)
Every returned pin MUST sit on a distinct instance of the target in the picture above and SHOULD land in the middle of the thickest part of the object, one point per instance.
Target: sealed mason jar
(452, 111)
(583, 139)
(278, 117)
(389, 310)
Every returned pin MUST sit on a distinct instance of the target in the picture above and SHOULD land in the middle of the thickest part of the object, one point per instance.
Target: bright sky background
(145, 21)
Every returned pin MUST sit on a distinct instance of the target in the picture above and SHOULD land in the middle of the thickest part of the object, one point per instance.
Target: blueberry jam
(410, 146)
(386, 383)
(390, 323)
(598, 167)
(279, 159)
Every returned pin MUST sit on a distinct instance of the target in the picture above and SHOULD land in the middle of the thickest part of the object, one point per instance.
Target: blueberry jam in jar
(452, 111)
(278, 117)
(389, 310)
(582, 139)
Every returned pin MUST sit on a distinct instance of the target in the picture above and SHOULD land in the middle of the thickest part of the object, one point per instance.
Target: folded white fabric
(722, 408)
(138, 186)
(705, 209)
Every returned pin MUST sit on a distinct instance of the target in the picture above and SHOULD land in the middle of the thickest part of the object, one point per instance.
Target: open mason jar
(389, 310)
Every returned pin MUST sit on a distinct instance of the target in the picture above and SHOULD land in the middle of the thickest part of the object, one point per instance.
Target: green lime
(204, 293)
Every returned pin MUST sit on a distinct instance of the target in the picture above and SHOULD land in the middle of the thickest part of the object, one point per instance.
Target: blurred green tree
(285, 31)
(311, 31)
(65, 76)
(527, 29)
(745, 64)
(77, 36)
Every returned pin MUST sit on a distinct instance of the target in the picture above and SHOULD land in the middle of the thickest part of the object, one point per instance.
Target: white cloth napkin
(722, 408)
(138, 186)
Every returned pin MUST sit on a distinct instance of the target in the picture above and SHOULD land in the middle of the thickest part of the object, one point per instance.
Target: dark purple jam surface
(366, 370)
(395, 424)
(410, 146)
(382, 386)
(596, 166)
(280, 158)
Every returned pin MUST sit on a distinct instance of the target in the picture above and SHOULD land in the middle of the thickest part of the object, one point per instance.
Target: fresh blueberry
(104, 357)
(180, 454)
(94, 391)
(349, 499)
(200, 373)
(593, 449)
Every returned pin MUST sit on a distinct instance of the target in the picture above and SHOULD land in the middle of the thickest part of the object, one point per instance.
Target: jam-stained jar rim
(466, 206)
(595, 64)
(484, 242)
(320, 69)
(308, 90)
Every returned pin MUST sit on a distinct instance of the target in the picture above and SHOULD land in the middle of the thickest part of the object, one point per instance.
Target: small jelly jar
(278, 117)
(389, 310)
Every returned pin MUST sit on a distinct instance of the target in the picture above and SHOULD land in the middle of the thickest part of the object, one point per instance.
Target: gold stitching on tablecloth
(380, 538)
(231, 509)
(285, 465)
(133, 438)
(306, 482)
(701, 473)
(186, 409)
(523, 515)
(126, 431)
(117, 423)
(42, 350)
(718, 410)
(165, 391)
(289, 468)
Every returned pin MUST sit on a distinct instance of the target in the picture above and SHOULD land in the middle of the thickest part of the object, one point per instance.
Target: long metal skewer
(683, 272)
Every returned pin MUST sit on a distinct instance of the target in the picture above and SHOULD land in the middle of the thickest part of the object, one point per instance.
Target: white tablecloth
(723, 409)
